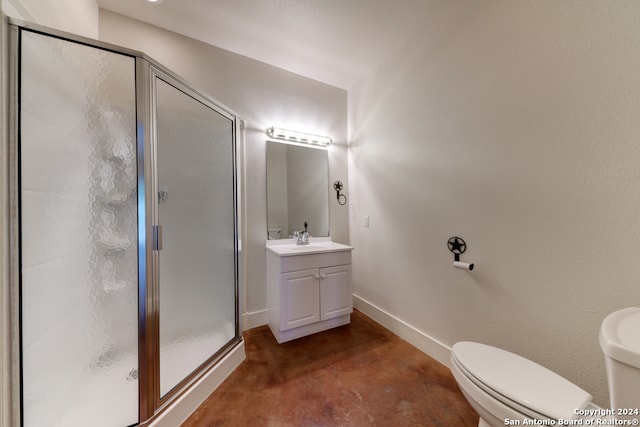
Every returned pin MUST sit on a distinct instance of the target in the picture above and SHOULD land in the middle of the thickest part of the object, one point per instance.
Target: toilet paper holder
(458, 246)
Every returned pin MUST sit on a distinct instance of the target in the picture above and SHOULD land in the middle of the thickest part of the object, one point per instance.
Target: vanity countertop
(288, 247)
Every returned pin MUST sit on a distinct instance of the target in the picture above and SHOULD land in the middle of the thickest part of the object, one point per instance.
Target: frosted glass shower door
(78, 234)
(196, 210)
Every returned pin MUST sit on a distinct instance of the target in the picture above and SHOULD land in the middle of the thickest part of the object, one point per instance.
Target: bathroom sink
(289, 249)
(308, 247)
(620, 336)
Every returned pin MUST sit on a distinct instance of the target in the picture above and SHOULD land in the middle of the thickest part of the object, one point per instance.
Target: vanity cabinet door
(300, 299)
(335, 291)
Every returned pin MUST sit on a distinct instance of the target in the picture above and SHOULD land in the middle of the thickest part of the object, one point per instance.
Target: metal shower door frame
(146, 70)
(150, 71)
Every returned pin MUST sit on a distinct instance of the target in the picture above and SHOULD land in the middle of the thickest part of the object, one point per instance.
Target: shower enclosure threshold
(188, 402)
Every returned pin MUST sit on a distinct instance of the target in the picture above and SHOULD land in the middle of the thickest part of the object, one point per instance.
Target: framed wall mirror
(297, 190)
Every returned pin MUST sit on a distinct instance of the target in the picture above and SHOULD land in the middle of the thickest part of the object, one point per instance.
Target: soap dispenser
(305, 234)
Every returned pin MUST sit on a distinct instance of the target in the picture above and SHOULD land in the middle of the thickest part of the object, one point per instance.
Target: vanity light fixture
(298, 137)
(155, 1)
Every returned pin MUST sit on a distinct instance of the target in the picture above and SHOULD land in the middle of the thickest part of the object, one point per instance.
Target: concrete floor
(355, 375)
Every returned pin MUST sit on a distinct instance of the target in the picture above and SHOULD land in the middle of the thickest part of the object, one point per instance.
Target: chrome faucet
(302, 237)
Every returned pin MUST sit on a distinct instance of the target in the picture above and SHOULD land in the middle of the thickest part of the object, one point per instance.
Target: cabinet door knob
(323, 276)
(316, 277)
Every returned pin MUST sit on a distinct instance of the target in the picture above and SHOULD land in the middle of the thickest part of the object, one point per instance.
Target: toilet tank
(620, 342)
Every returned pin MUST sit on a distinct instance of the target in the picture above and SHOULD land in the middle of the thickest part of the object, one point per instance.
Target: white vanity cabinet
(308, 289)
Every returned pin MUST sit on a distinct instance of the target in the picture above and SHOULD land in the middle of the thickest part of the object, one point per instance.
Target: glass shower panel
(78, 219)
(195, 167)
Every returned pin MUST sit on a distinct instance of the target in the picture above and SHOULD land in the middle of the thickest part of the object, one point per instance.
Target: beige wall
(515, 126)
(74, 16)
(263, 96)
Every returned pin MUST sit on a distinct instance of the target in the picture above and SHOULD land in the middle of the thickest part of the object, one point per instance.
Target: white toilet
(506, 389)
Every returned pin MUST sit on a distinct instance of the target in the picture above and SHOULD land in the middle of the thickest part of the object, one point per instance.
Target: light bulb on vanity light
(298, 137)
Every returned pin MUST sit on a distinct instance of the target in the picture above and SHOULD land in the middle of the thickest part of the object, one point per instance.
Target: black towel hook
(338, 186)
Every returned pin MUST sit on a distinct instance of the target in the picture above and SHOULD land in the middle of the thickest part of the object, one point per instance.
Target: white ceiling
(333, 41)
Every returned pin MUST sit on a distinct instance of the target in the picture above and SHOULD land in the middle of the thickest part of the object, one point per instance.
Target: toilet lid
(521, 380)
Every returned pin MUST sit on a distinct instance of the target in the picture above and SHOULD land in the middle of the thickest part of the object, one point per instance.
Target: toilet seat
(519, 383)
(469, 381)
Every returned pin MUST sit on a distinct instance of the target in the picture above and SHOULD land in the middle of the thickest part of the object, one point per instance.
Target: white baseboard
(427, 344)
(254, 319)
(189, 402)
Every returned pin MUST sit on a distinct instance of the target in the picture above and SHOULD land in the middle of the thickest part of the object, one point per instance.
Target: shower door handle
(157, 237)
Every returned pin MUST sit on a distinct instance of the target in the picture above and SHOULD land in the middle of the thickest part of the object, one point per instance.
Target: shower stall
(123, 232)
